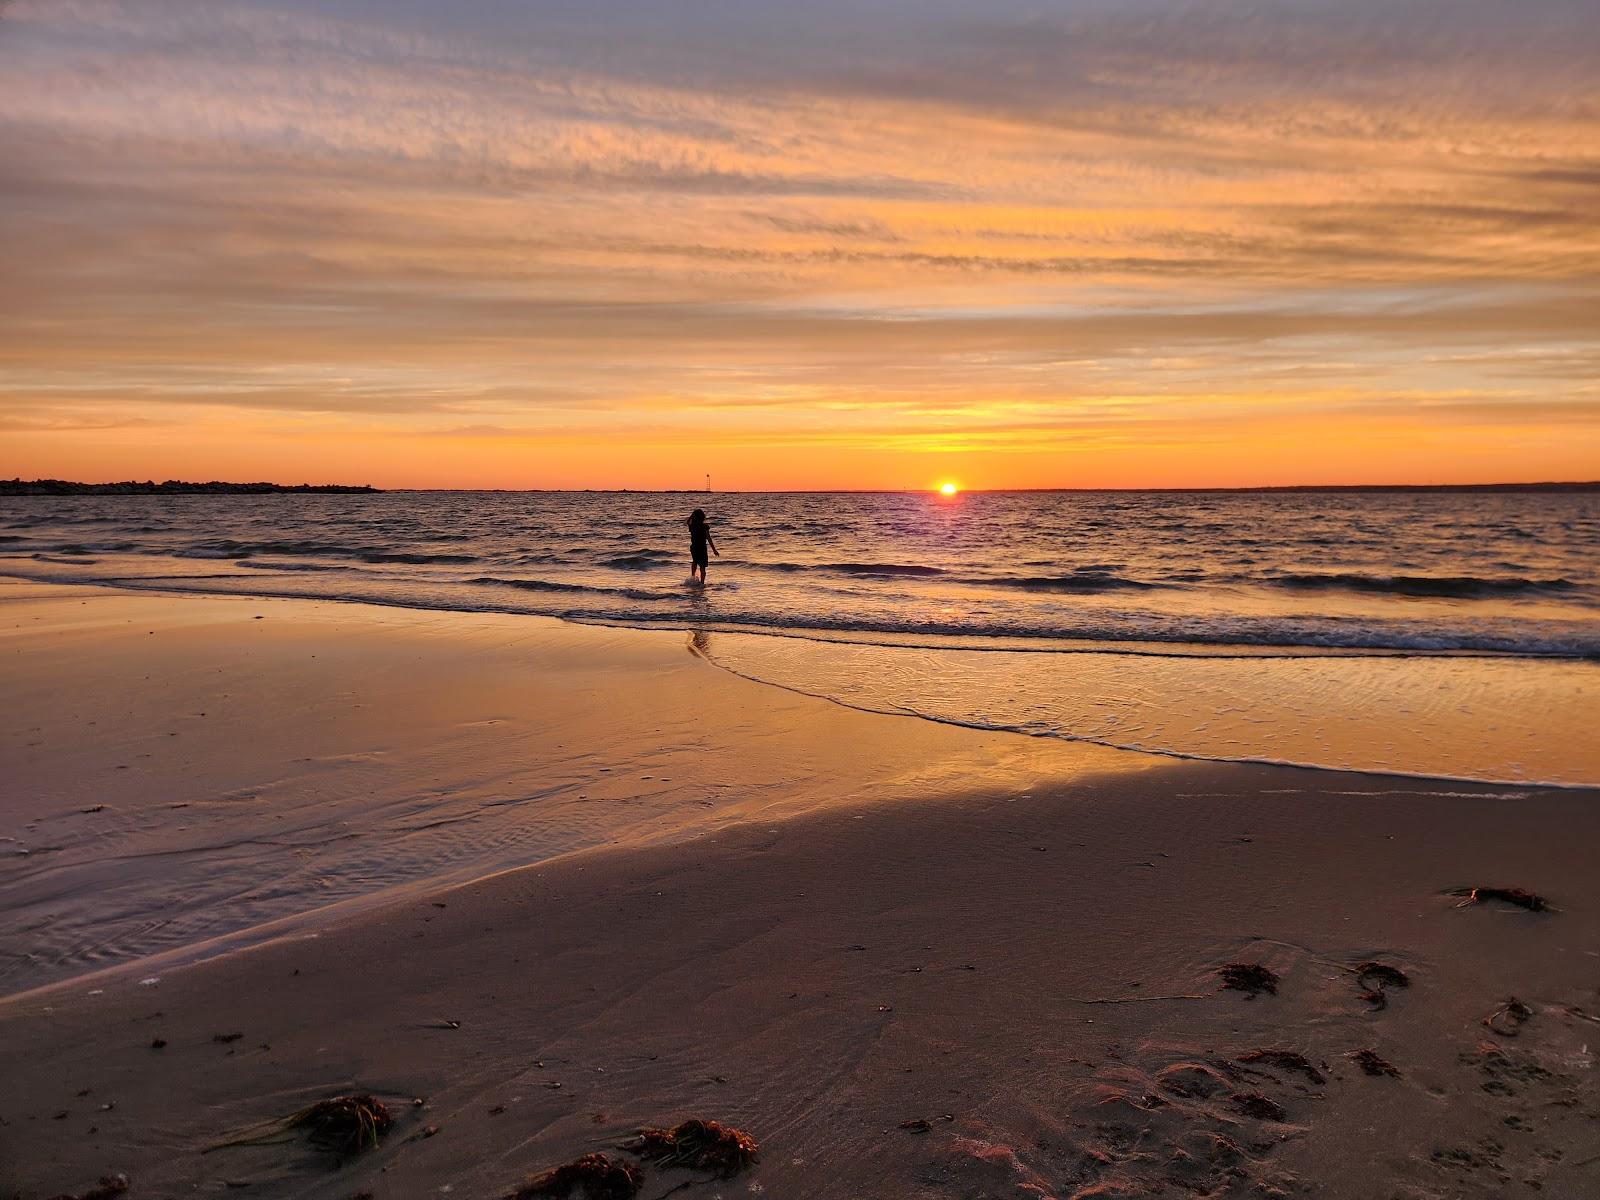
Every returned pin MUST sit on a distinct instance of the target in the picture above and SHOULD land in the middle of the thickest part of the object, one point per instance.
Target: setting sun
(948, 489)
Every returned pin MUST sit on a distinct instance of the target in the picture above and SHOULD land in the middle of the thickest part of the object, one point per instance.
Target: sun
(948, 489)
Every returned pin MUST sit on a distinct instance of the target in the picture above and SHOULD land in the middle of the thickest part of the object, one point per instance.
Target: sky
(865, 244)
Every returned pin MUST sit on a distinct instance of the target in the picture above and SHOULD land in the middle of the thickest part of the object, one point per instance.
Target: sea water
(1445, 634)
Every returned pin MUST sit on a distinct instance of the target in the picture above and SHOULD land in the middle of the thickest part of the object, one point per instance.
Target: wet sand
(890, 923)
(187, 769)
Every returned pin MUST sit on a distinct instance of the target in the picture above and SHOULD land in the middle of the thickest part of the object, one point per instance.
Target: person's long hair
(697, 517)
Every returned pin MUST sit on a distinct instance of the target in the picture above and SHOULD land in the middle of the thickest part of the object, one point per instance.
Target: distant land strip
(172, 487)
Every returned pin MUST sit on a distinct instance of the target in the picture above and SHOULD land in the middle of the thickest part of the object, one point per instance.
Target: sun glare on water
(948, 489)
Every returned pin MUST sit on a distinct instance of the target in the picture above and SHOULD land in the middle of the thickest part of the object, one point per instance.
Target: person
(699, 539)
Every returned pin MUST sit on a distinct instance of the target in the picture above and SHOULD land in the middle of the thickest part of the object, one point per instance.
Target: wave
(787, 568)
(1085, 632)
(229, 548)
(881, 569)
(644, 559)
(1083, 579)
(1087, 582)
(1220, 637)
(383, 556)
(255, 565)
(1445, 586)
(549, 585)
(80, 548)
(539, 585)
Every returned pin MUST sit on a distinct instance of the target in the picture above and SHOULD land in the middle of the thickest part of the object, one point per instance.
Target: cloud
(517, 215)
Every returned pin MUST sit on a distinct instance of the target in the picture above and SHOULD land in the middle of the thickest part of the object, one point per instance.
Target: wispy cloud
(756, 225)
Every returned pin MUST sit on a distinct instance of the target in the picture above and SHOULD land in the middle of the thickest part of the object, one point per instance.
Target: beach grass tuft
(698, 1145)
(344, 1125)
(347, 1124)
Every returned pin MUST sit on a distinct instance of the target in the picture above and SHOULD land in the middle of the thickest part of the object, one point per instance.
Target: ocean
(1448, 635)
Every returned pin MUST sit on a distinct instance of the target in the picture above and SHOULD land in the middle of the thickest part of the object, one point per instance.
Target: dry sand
(1014, 941)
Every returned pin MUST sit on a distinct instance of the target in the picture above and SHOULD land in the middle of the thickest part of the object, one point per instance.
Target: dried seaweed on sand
(1374, 1064)
(593, 1177)
(1250, 978)
(341, 1124)
(1519, 897)
(1382, 974)
(1508, 1019)
(1376, 979)
(1253, 1104)
(698, 1145)
(1284, 1060)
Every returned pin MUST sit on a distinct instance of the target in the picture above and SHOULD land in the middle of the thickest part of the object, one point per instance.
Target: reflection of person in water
(699, 539)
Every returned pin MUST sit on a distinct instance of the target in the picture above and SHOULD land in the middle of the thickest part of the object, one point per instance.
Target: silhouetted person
(699, 540)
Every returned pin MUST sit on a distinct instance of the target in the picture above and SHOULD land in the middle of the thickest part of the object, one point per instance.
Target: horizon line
(1532, 485)
(1490, 486)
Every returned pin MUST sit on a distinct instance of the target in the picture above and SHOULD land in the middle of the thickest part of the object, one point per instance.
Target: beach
(909, 959)
(836, 601)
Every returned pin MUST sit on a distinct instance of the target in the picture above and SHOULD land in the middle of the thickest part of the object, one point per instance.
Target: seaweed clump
(1374, 1064)
(1508, 1018)
(1250, 978)
(346, 1124)
(1285, 1060)
(341, 1125)
(594, 1177)
(698, 1145)
(1375, 979)
(1253, 1104)
(1518, 897)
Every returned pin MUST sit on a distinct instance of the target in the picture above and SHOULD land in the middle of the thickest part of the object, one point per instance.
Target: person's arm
(712, 542)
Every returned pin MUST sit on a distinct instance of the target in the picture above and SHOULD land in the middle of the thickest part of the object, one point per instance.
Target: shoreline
(974, 643)
(1559, 772)
(185, 742)
(894, 922)
(1518, 785)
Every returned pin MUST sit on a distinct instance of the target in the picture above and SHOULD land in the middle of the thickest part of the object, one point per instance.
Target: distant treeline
(172, 487)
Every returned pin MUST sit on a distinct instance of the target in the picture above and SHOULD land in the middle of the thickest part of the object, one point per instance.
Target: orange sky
(542, 245)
